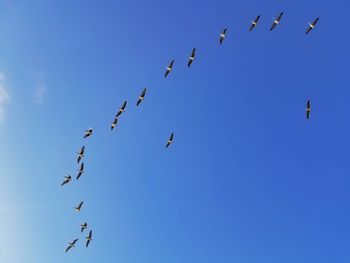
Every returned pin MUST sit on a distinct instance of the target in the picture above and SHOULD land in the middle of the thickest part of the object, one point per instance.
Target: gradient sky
(248, 178)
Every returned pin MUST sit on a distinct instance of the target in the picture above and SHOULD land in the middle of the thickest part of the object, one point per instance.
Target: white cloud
(40, 88)
(4, 96)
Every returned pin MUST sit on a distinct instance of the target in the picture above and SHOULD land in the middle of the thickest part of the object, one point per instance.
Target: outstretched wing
(274, 24)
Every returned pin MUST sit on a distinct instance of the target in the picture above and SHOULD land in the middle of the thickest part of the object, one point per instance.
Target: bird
(66, 180)
(191, 58)
(71, 244)
(121, 109)
(88, 133)
(88, 238)
(170, 140)
(254, 23)
(78, 208)
(114, 123)
(80, 171)
(169, 68)
(81, 154)
(223, 35)
(276, 21)
(141, 97)
(83, 226)
(308, 109)
(312, 25)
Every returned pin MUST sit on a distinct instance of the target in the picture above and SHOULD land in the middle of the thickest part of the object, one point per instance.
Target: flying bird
(121, 109)
(83, 227)
(71, 244)
(81, 154)
(80, 171)
(254, 23)
(223, 35)
(89, 238)
(169, 68)
(78, 208)
(308, 109)
(141, 97)
(191, 58)
(170, 140)
(276, 21)
(114, 123)
(88, 133)
(312, 25)
(66, 180)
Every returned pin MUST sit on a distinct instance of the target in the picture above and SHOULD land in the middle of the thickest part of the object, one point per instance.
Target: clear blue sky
(248, 178)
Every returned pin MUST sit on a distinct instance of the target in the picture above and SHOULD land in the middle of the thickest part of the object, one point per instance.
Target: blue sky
(248, 178)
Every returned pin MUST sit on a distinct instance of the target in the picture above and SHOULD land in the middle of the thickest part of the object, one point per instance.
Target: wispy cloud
(4, 96)
(40, 87)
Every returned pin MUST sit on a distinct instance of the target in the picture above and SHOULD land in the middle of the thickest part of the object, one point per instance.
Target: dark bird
(276, 21)
(169, 68)
(66, 180)
(312, 25)
(71, 244)
(80, 154)
(78, 208)
(80, 171)
(83, 227)
(223, 35)
(170, 140)
(121, 109)
(89, 238)
(254, 23)
(88, 133)
(192, 57)
(141, 97)
(114, 123)
(308, 109)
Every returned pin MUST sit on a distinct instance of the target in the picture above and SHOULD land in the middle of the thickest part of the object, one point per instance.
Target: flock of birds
(141, 97)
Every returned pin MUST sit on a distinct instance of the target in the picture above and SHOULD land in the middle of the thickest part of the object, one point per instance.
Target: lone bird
(141, 97)
(169, 68)
(276, 21)
(81, 154)
(80, 171)
(170, 140)
(88, 133)
(308, 109)
(312, 25)
(223, 35)
(83, 227)
(89, 238)
(78, 208)
(114, 123)
(71, 244)
(192, 57)
(121, 109)
(254, 23)
(66, 180)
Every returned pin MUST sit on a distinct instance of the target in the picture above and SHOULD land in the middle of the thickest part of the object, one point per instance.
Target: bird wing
(171, 137)
(307, 114)
(64, 182)
(316, 20)
(79, 174)
(82, 167)
(138, 102)
(68, 248)
(124, 105)
(79, 158)
(143, 94)
(251, 27)
(79, 206)
(166, 73)
(257, 19)
(193, 52)
(279, 16)
(75, 241)
(189, 63)
(171, 64)
(274, 24)
(308, 30)
(87, 242)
